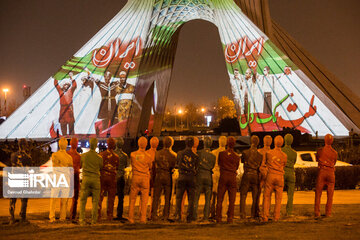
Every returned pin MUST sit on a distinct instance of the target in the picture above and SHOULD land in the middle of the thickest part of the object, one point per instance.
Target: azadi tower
(117, 83)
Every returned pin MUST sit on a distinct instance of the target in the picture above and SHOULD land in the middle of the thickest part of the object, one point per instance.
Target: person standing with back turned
(204, 177)
(263, 169)
(120, 176)
(141, 164)
(108, 178)
(326, 157)
(289, 176)
(252, 160)
(188, 164)
(91, 164)
(76, 165)
(59, 159)
(229, 164)
(216, 175)
(164, 163)
(20, 158)
(275, 162)
(154, 143)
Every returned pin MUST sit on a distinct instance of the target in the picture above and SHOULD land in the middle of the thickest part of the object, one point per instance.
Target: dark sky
(38, 36)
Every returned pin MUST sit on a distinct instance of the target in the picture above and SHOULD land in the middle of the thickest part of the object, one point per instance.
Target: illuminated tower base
(117, 83)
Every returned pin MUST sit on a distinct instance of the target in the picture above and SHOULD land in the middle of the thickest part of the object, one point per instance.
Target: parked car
(308, 159)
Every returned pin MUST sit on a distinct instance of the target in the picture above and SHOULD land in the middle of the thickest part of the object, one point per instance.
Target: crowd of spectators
(40, 151)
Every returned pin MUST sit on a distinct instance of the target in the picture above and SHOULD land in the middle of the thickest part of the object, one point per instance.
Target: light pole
(5, 90)
(203, 112)
(180, 113)
(175, 120)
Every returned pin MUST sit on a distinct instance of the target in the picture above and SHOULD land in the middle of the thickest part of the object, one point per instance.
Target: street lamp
(203, 112)
(180, 112)
(5, 90)
(187, 119)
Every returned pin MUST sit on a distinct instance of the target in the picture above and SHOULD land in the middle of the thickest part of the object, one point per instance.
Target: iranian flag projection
(117, 83)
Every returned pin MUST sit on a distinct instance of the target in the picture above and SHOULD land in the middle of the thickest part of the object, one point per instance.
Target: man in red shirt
(108, 178)
(66, 116)
(275, 163)
(326, 157)
(229, 164)
(76, 165)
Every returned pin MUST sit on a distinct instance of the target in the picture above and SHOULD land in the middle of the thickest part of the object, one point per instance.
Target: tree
(228, 125)
(192, 113)
(168, 120)
(225, 108)
(12, 105)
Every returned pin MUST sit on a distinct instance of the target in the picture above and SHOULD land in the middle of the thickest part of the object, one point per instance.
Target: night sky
(38, 36)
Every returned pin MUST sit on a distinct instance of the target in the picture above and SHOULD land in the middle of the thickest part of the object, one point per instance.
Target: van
(308, 159)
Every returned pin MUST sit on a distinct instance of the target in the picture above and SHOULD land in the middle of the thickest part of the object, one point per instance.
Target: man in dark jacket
(204, 177)
(188, 164)
(165, 162)
(76, 165)
(250, 180)
(124, 162)
(21, 158)
(229, 164)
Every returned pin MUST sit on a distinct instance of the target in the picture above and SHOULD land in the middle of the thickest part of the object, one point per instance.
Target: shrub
(346, 177)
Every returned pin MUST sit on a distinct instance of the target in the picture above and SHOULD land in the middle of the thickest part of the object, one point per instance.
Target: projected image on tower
(118, 81)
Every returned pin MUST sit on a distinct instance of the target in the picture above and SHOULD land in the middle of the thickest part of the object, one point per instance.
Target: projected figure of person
(268, 86)
(236, 82)
(245, 92)
(66, 115)
(108, 91)
(87, 86)
(255, 97)
(125, 97)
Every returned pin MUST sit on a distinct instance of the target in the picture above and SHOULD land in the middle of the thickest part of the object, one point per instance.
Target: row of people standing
(196, 171)
(269, 170)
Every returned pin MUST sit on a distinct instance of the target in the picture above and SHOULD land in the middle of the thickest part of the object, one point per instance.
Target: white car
(308, 159)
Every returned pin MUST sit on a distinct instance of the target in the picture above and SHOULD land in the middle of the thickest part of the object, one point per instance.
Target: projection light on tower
(117, 83)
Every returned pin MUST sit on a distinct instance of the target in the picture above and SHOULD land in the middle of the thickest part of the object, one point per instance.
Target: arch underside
(121, 76)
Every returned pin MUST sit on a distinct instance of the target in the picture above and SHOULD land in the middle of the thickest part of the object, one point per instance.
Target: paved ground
(345, 223)
(300, 197)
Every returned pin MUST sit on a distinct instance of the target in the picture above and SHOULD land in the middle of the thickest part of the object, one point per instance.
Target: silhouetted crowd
(185, 174)
(39, 152)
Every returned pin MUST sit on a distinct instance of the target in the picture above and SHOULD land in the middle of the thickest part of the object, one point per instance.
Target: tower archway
(111, 75)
